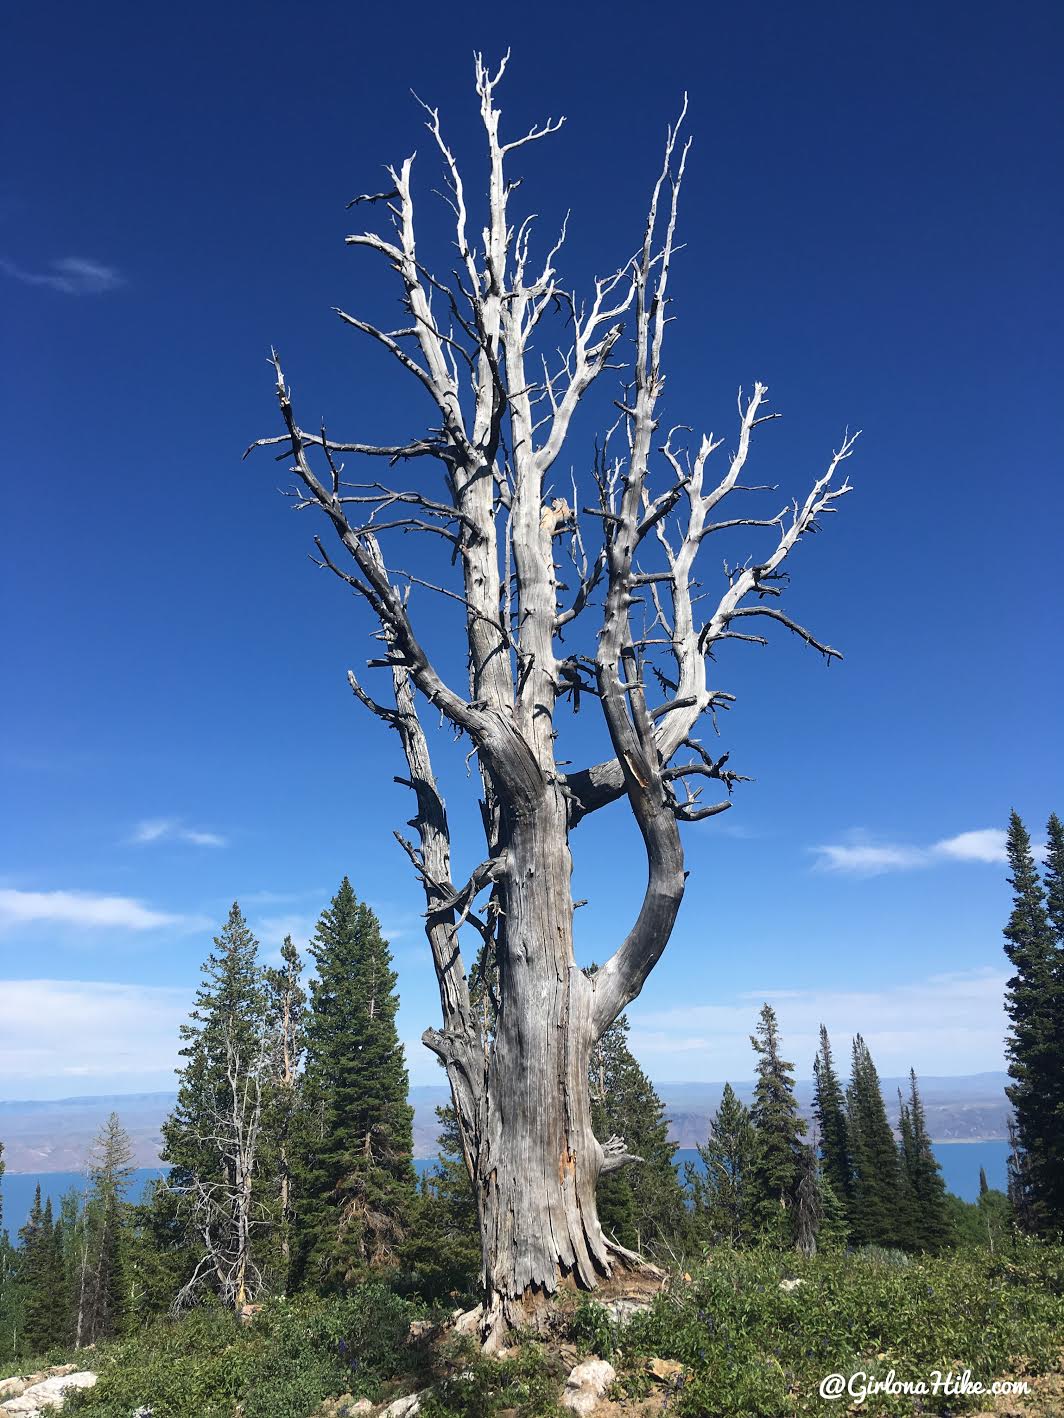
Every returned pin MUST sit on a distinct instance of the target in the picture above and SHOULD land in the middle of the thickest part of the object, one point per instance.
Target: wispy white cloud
(987, 844)
(72, 275)
(85, 909)
(948, 1024)
(172, 829)
(87, 1029)
(862, 857)
(868, 858)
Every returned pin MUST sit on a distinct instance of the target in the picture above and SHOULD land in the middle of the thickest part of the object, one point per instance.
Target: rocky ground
(27, 1394)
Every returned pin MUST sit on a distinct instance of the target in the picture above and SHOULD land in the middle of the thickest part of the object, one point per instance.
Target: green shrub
(752, 1348)
(293, 1355)
(525, 1384)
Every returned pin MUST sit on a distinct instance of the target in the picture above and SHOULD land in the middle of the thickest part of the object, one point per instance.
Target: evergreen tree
(443, 1244)
(984, 1185)
(227, 1014)
(1033, 1044)
(357, 1181)
(10, 1301)
(928, 1222)
(1052, 1141)
(878, 1209)
(722, 1192)
(6, 1283)
(159, 1257)
(829, 1109)
(100, 1277)
(41, 1280)
(640, 1205)
(285, 1013)
(780, 1130)
(809, 1204)
(1018, 1184)
(211, 1139)
(72, 1219)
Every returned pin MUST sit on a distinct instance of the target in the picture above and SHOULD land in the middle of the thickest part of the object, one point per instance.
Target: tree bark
(539, 1160)
(519, 1025)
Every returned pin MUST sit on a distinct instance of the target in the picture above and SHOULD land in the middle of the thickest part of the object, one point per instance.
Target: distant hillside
(55, 1136)
(969, 1108)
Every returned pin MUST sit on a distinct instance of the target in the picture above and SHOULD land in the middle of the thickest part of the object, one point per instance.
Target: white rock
(362, 1406)
(47, 1394)
(403, 1407)
(791, 1284)
(586, 1385)
(621, 1311)
(468, 1321)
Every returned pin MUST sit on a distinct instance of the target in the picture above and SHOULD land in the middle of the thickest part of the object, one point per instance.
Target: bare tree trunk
(80, 1330)
(539, 1160)
(519, 1026)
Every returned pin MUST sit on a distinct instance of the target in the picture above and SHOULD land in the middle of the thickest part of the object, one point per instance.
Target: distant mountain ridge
(54, 1135)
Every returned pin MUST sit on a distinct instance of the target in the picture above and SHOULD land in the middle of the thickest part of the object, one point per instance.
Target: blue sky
(872, 219)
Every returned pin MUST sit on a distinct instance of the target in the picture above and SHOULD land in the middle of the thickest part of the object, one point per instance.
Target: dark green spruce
(1034, 1041)
(216, 1206)
(1053, 1141)
(927, 1223)
(778, 1166)
(829, 1110)
(442, 1247)
(640, 1205)
(357, 1180)
(879, 1206)
(45, 1323)
(722, 1190)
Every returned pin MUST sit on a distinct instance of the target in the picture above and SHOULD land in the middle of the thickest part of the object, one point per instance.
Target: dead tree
(502, 407)
(226, 1214)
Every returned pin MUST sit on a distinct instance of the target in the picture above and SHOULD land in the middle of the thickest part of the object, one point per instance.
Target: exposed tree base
(632, 1280)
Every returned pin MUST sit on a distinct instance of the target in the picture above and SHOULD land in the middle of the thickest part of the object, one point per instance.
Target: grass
(747, 1346)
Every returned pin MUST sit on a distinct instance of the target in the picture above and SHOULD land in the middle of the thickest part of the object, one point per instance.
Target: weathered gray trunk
(518, 1065)
(538, 1161)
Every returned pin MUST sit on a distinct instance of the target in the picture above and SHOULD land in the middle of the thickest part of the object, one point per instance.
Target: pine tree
(928, 1222)
(100, 1278)
(829, 1109)
(72, 1219)
(285, 1014)
(357, 1181)
(722, 1191)
(780, 1130)
(443, 1244)
(41, 1280)
(228, 1013)
(10, 1300)
(1033, 1045)
(640, 1205)
(878, 1210)
(212, 1138)
(984, 1185)
(1052, 1142)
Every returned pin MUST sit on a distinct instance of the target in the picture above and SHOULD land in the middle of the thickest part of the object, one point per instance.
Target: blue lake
(960, 1163)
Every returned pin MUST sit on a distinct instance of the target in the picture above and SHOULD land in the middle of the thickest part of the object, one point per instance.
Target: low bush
(747, 1346)
(752, 1348)
(294, 1354)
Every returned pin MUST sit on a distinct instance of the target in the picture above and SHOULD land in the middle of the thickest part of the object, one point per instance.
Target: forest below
(291, 1218)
